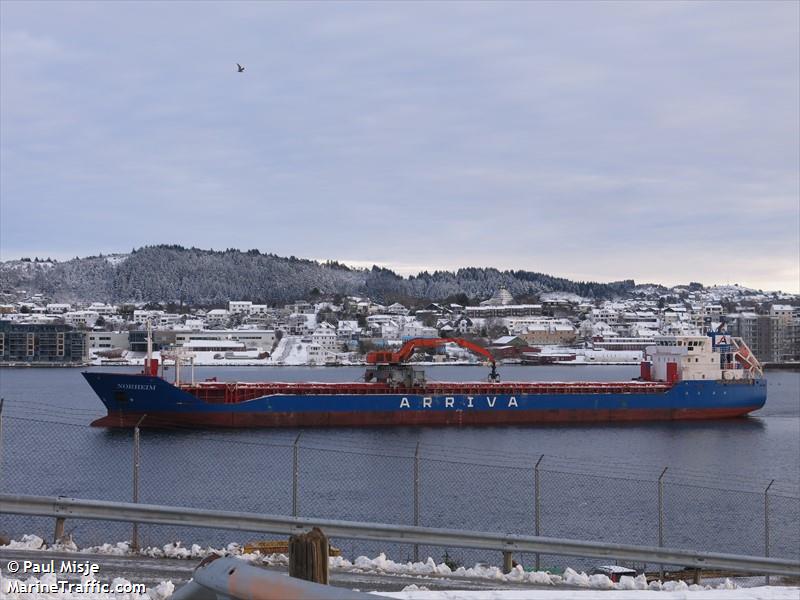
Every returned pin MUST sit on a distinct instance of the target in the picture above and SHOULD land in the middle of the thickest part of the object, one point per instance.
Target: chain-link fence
(332, 476)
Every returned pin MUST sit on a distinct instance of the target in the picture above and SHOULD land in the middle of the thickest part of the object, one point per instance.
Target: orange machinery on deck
(395, 358)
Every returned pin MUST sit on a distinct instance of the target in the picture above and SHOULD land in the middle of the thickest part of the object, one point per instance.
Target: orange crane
(387, 357)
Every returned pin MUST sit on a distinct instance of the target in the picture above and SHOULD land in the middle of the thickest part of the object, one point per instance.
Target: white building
(397, 309)
(103, 309)
(142, 316)
(56, 308)
(325, 337)
(81, 318)
(240, 307)
(217, 316)
(168, 319)
(252, 339)
(106, 340)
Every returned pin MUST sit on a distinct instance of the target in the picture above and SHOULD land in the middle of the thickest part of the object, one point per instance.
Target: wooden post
(308, 556)
(508, 562)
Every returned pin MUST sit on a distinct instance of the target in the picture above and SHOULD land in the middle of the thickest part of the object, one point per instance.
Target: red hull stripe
(426, 418)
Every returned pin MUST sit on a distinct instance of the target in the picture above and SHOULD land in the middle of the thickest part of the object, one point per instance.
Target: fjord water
(479, 478)
(764, 446)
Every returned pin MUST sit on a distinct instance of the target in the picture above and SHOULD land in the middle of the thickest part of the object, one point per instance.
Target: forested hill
(208, 277)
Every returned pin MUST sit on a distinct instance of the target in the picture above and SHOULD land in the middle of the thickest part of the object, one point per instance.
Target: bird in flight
(241, 68)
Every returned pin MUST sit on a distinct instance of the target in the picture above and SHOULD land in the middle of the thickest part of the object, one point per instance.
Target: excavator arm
(388, 359)
(407, 349)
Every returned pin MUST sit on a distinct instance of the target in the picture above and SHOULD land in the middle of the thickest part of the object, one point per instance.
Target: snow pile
(28, 542)
(415, 588)
(118, 549)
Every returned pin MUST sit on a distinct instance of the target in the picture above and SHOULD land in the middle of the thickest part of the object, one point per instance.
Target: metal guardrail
(62, 508)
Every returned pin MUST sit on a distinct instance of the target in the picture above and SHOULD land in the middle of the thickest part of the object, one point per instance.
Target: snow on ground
(120, 589)
(296, 354)
(595, 586)
(758, 593)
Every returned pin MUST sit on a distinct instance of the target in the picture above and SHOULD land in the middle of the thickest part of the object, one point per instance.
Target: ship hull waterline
(410, 419)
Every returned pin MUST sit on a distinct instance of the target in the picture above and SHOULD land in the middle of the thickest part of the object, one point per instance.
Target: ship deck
(230, 393)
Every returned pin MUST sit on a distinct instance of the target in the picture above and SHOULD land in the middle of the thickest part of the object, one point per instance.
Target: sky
(658, 141)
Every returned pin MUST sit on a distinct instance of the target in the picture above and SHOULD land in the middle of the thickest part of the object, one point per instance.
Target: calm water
(597, 481)
(764, 446)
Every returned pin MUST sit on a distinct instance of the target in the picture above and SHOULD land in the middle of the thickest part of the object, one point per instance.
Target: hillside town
(560, 328)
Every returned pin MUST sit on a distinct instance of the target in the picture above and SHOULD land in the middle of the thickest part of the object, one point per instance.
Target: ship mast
(149, 361)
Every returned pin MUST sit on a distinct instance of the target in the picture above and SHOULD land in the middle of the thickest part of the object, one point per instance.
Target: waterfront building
(325, 337)
(41, 344)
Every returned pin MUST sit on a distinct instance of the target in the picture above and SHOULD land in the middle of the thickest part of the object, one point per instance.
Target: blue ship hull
(131, 398)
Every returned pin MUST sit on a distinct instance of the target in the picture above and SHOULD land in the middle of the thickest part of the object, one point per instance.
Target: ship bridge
(717, 356)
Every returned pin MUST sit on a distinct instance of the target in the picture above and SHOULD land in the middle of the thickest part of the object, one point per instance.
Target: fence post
(1, 443)
(766, 522)
(661, 517)
(295, 473)
(508, 562)
(536, 503)
(136, 438)
(416, 498)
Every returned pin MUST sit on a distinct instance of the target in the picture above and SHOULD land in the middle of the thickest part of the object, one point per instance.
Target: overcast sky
(655, 141)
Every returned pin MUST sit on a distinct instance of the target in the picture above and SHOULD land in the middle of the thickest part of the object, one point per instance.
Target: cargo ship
(686, 377)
